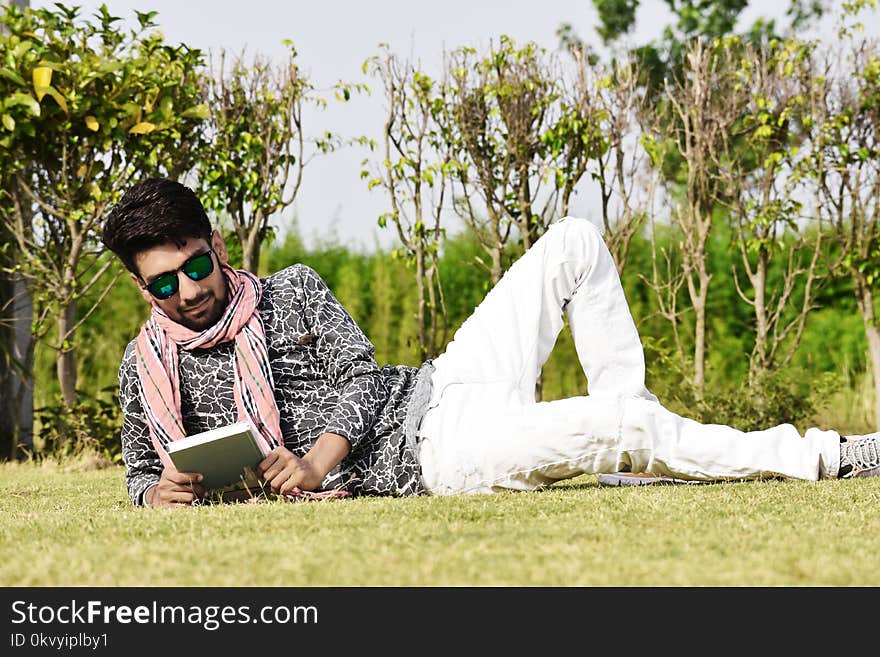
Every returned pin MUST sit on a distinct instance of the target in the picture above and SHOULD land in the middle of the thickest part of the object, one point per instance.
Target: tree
(848, 155)
(86, 109)
(251, 165)
(518, 149)
(763, 178)
(694, 18)
(598, 134)
(692, 129)
(414, 171)
(496, 112)
(381, 319)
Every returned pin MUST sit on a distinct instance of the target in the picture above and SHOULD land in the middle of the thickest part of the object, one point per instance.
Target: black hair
(154, 212)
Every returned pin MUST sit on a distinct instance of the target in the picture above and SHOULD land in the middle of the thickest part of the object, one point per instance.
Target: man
(223, 345)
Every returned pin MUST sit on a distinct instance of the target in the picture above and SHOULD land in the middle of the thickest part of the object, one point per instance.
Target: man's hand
(176, 489)
(283, 470)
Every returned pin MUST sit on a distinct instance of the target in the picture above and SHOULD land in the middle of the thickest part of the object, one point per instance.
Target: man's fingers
(272, 472)
(277, 481)
(178, 497)
(183, 478)
(268, 462)
(199, 490)
(289, 483)
(282, 479)
(283, 460)
(181, 487)
(183, 498)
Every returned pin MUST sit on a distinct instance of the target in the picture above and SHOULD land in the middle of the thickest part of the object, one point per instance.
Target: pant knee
(577, 232)
(580, 225)
(581, 241)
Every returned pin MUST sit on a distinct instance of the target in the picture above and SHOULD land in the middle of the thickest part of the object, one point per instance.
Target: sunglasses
(196, 268)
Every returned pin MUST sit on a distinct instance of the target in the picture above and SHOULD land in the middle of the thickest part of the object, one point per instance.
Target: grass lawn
(67, 526)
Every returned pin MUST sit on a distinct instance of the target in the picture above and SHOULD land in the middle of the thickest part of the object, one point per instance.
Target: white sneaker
(859, 456)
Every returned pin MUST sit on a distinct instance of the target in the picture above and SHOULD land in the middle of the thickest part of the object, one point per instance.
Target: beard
(202, 314)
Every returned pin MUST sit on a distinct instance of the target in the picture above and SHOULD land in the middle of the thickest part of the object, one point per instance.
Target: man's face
(196, 304)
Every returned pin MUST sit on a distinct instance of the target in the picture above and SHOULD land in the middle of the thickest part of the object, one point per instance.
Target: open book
(641, 479)
(227, 457)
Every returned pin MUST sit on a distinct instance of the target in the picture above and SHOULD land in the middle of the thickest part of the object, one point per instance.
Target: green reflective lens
(196, 268)
(163, 287)
(199, 267)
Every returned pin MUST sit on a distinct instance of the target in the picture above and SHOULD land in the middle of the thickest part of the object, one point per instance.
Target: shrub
(792, 396)
(91, 426)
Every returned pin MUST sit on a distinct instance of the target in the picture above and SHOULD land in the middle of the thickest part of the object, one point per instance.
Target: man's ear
(137, 281)
(219, 247)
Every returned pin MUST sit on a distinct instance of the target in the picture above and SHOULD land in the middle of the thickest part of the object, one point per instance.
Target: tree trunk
(700, 347)
(250, 258)
(436, 309)
(420, 313)
(16, 367)
(759, 363)
(700, 327)
(8, 375)
(525, 209)
(872, 333)
(66, 363)
(496, 272)
(23, 400)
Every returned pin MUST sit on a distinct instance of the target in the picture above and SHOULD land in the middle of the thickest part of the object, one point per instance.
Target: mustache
(198, 301)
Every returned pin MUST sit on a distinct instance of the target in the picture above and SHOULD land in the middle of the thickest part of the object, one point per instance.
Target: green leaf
(23, 99)
(9, 74)
(21, 48)
(52, 91)
(142, 128)
(202, 112)
(166, 105)
(109, 67)
(8, 122)
(145, 18)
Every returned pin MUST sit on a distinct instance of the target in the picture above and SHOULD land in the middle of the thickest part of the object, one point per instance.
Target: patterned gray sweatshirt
(325, 380)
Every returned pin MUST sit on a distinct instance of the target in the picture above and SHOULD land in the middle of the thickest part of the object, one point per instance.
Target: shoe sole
(871, 472)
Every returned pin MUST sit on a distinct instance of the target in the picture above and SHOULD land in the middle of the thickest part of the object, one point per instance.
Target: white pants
(484, 432)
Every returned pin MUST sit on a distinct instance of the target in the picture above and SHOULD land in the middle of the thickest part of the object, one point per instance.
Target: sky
(334, 38)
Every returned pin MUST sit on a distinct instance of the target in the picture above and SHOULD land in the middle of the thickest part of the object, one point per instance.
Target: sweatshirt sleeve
(347, 356)
(143, 468)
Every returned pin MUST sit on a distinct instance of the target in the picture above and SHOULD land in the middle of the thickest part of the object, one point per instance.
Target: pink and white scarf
(157, 364)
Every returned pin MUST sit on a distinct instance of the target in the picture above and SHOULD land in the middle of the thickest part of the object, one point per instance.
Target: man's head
(159, 230)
